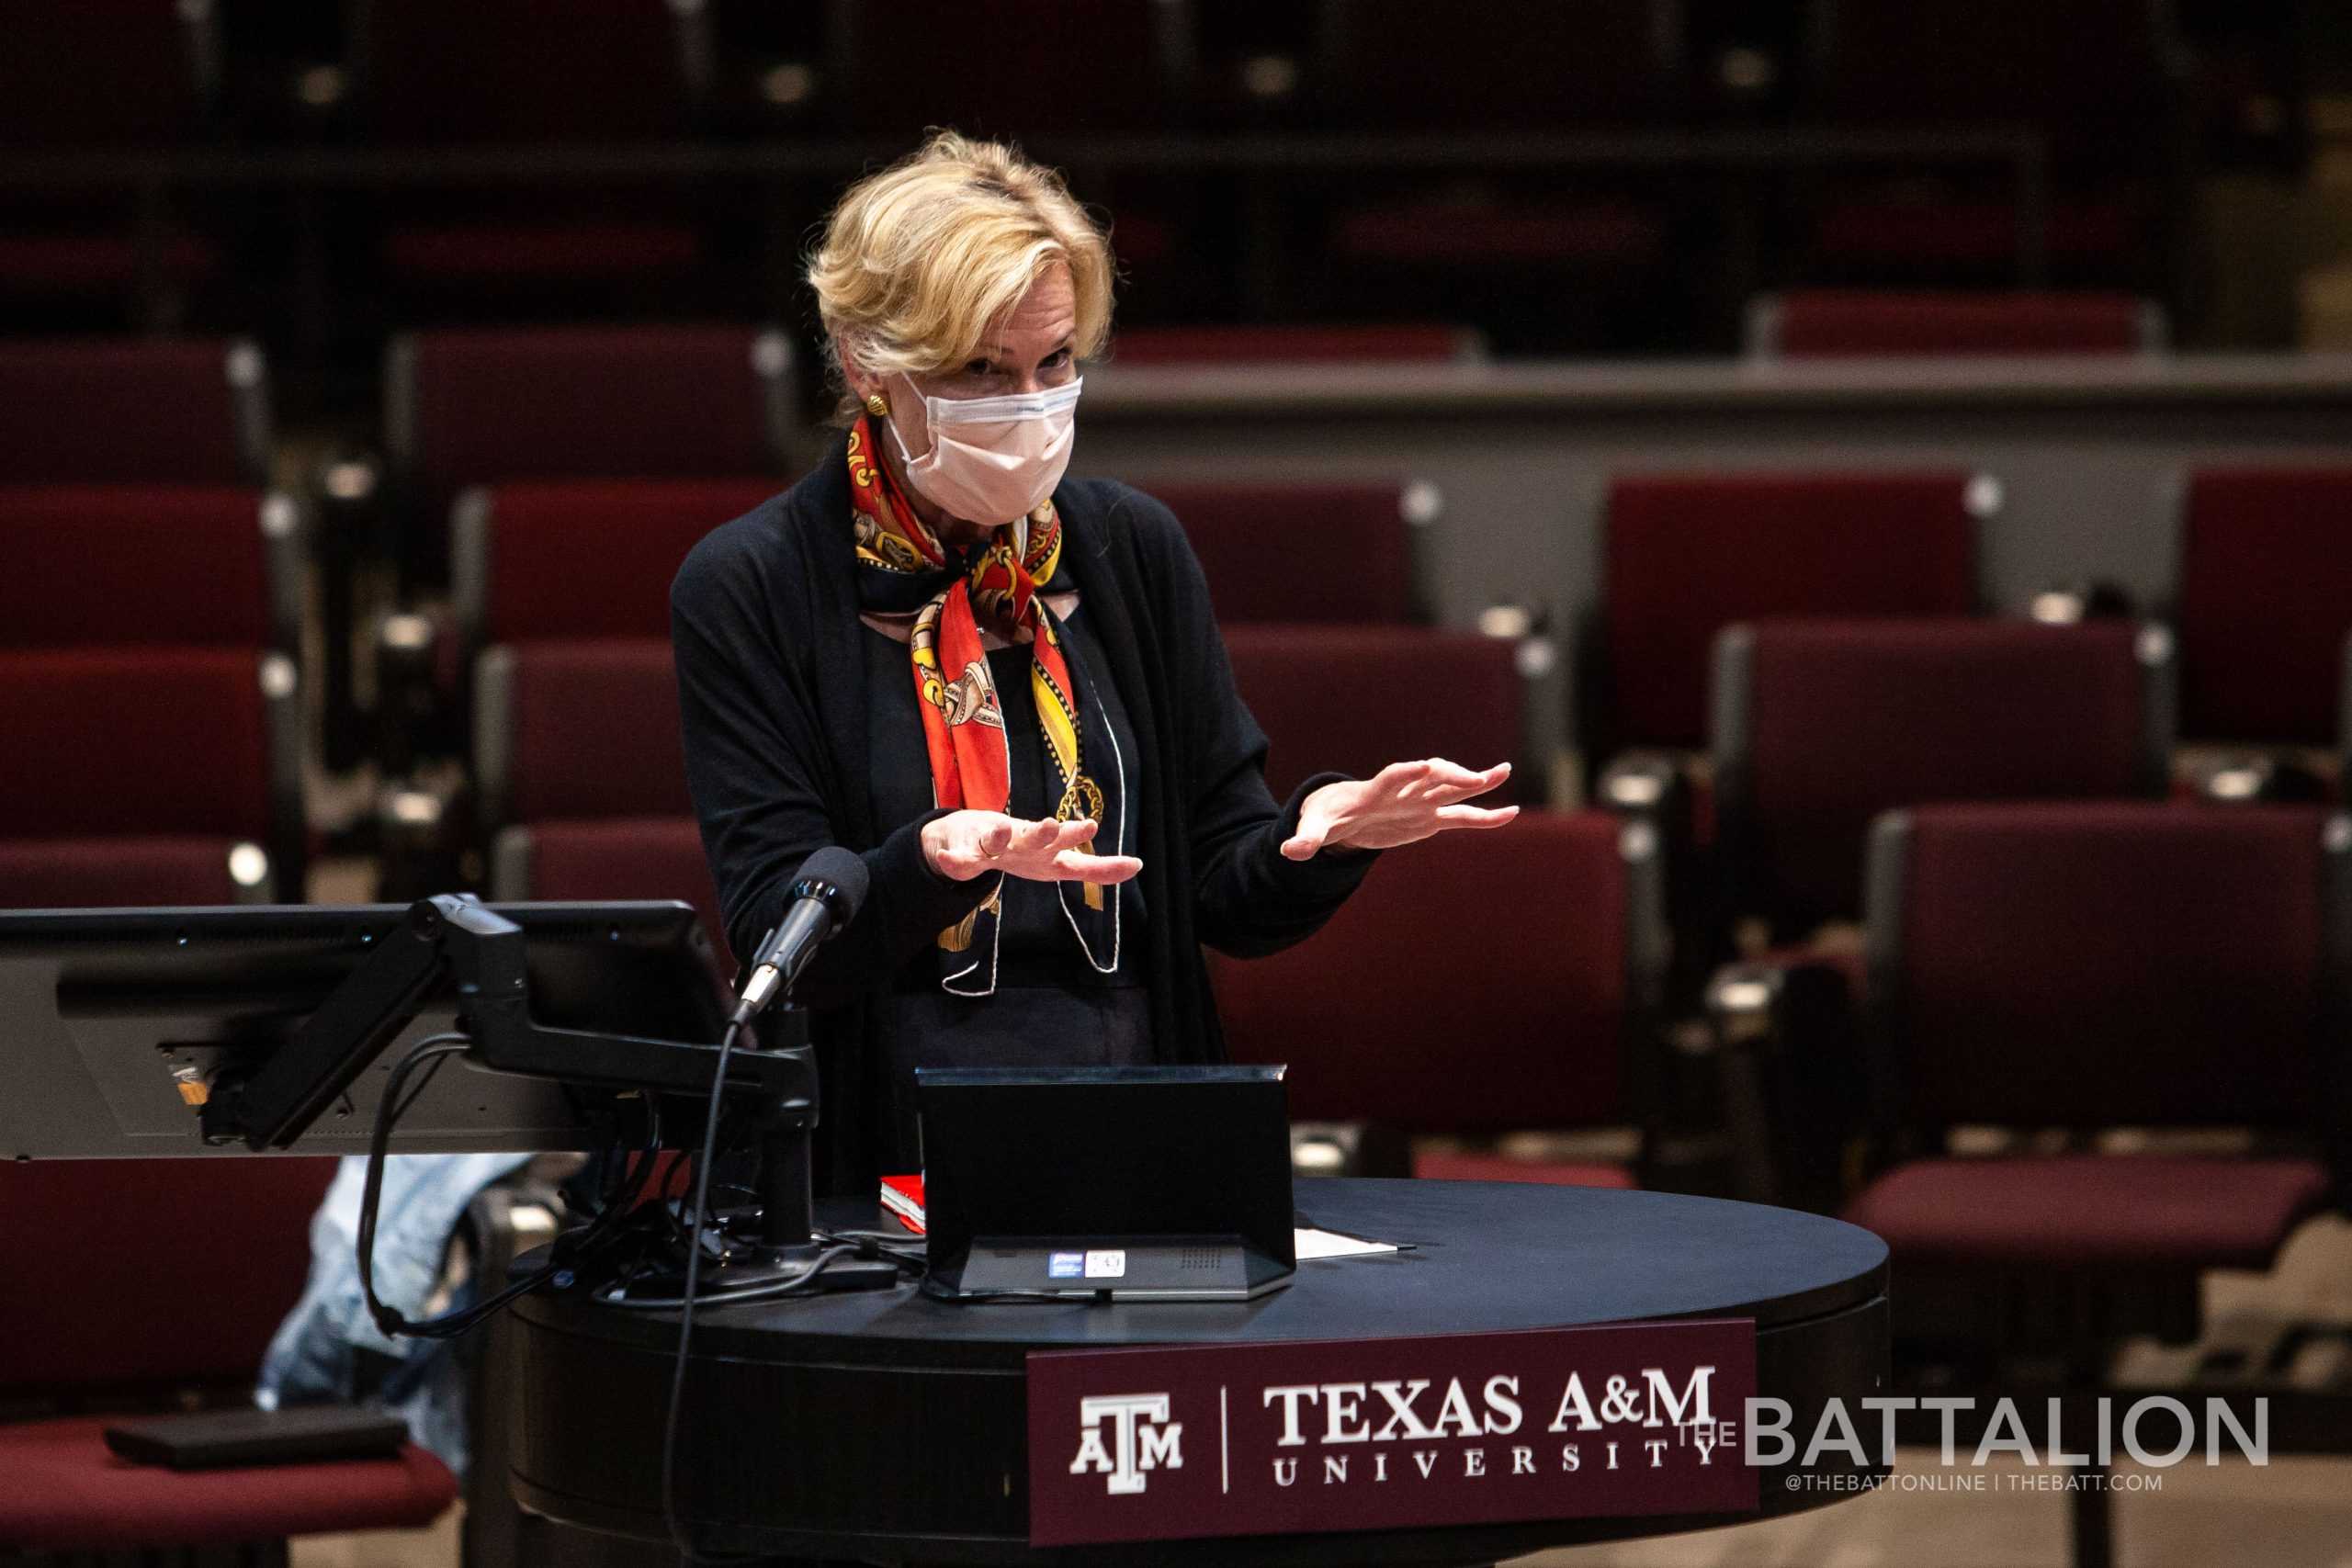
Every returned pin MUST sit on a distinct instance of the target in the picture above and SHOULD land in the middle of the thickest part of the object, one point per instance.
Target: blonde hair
(920, 262)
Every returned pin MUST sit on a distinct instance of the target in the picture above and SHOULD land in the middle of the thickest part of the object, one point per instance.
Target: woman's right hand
(965, 844)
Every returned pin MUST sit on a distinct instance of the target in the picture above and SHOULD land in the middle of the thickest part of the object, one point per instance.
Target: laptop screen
(1122, 1154)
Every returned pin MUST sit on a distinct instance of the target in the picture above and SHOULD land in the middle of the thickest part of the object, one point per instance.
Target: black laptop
(1130, 1183)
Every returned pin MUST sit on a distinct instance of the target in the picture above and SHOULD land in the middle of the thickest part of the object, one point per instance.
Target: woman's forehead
(1047, 313)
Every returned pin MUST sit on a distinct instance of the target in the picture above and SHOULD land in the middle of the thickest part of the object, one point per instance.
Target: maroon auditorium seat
(179, 1218)
(1307, 552)
(144, 410)
(1819, 726)
(113, 75)
(122, 872)
(1932, 65)
(1447, 230)
(583, 775)
(69, 1494)
(1352, 699)
(492, 70)
(2084, 966)
(203, 1256)
(2265, 603)
(619, 857)
(149, 564)
(1606, 64)
(496, 72)
(1298, 343)
(1855, 324)
(947, 62)
(1688, 554)
(554, 248)
(106, 73)
(1519, 63)
(1526, 1006)
(486, 406)
(568, 731)
(114, 741)
(572, 559)
(121, 760)
(79, 257)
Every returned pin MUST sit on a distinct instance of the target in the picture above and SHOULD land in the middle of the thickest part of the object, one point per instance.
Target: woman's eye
(977, 368)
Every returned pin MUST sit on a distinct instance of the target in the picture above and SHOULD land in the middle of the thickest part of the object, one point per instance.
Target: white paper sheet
(1326, 1243)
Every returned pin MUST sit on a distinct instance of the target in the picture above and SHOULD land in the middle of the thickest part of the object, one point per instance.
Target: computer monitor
(105, 1015)
(1137, 1183)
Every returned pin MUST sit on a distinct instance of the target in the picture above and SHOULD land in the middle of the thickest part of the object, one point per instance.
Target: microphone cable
(670, 1521)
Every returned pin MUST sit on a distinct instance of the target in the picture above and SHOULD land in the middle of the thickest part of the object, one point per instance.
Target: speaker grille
(1201, 1258)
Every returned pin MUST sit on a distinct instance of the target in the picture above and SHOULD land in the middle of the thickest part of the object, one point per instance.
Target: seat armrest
(410, 707)
(1349, 1148)
(423, 834)
(1781, 1030)
(2252, 778)
(1643, 784)
(2072, 603)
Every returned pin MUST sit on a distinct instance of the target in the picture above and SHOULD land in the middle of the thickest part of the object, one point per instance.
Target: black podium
(892, 1428)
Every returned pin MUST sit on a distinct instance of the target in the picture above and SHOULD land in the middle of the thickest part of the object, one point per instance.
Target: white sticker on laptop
(1110, 1265)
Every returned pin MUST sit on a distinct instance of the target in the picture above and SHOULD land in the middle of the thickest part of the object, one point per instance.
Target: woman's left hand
(1402, 804)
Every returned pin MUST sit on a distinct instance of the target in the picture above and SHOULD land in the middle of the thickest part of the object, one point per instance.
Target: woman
(1004, 688)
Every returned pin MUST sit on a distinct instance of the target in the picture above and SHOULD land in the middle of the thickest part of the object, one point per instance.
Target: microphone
(826, 896)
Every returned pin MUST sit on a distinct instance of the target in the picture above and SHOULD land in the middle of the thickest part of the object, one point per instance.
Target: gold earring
(878, 405)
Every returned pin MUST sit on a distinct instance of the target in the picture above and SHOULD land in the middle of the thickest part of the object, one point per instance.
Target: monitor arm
(454, 935)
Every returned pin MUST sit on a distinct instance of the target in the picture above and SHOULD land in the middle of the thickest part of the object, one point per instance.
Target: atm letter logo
(1141, 1439)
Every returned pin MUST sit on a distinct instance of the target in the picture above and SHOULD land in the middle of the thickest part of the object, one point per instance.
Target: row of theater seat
(2077, 966)
(641, 71)
(150, 691)
(468, 406)
(2258, 597)
(1685, 556)
(150, 625)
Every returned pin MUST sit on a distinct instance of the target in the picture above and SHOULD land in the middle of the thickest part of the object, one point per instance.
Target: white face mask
(993, 459)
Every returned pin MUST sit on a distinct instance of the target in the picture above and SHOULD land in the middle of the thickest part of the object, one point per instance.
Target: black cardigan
(771, 688)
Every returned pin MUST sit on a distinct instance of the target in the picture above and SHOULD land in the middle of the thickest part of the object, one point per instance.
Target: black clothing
(1052, 1007)
(773, 689)
(1019, 1026)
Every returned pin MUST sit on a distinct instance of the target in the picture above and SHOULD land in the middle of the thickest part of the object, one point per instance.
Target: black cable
(431, 1072)
(431, 1048)
(766, 1290)
(882, 1246)
(687, 1306)
(434, 1050)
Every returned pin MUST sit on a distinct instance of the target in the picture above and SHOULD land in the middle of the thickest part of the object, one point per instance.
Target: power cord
(433, 1051)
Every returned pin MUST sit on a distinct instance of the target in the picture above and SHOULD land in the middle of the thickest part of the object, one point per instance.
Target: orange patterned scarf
(902, 565)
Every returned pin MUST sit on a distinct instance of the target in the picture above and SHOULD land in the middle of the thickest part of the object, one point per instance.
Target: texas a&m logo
(1142, 1438)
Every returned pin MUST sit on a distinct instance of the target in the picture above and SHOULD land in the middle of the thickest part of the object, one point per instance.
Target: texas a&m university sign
(1320, 1436)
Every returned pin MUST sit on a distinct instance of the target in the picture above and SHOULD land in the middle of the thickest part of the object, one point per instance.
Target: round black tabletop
(891, 1427)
